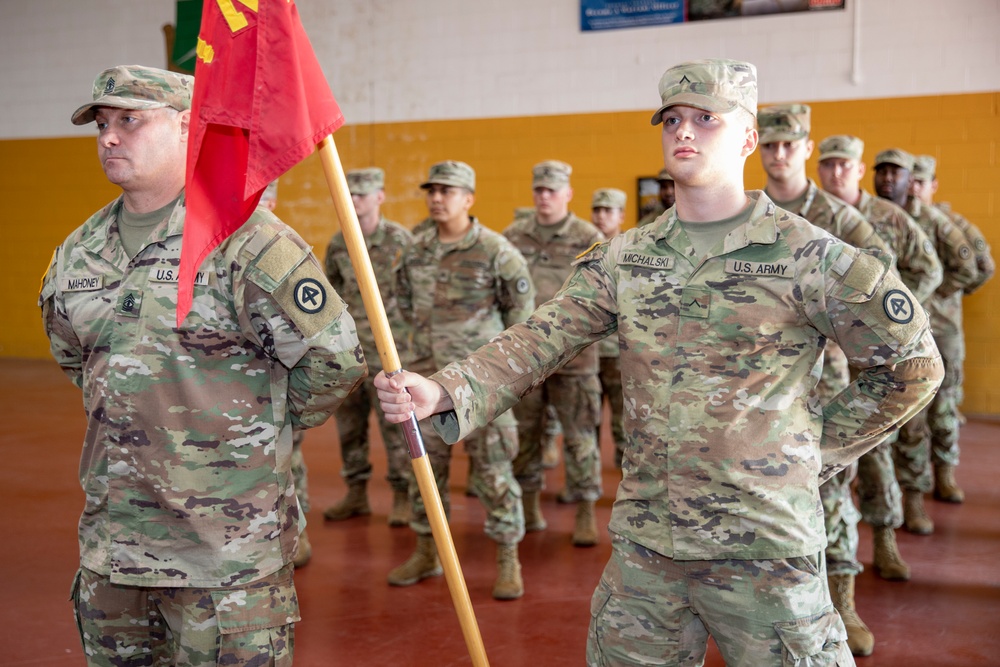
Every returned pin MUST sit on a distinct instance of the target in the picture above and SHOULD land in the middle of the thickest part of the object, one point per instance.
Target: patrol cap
(365, 181)
(719, 86)
(664, 176)
(895, 156)
(924, 167)
(551, 174)
(842, 146)
(137, 87)
(608, 198)
(783, 122)
(451, 172)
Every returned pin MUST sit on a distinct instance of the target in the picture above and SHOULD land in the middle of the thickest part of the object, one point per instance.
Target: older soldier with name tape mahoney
(191, 519)
(721, 309)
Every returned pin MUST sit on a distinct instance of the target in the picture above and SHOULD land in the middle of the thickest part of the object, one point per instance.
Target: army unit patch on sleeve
(898, 306)
(309, 295)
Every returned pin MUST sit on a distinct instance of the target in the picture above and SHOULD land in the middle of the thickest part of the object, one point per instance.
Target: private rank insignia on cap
(898, 306)
(310, 296)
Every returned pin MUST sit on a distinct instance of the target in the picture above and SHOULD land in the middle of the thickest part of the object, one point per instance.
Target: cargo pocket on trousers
(256, 624)
(815, 640)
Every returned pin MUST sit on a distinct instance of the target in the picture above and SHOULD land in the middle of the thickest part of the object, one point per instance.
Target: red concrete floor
(947, 615)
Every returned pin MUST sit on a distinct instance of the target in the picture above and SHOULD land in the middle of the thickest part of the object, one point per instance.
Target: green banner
(186, 35)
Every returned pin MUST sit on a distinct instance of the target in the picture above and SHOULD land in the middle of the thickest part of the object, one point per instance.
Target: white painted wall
(402, 60)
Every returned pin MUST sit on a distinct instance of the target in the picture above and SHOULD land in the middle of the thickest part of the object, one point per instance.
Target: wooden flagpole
(358, 251)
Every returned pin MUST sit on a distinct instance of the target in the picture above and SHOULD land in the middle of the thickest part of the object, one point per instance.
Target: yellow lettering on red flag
(234, 18)
(204, 51)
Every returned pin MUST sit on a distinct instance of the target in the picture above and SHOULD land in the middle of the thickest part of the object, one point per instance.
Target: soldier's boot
(509, 585)
(422, 564)
(533, 519)
(355, 503)
(550, 450)
(400, 513)
(585, 530)
(888, 563)
(564, 497)
(915, 518)
(303, 550)
(859, 638)
(945, 487)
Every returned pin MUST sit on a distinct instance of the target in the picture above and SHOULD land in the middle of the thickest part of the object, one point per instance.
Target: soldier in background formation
(386, 241)
(550, 241)
(785, 148)
(607, 212)
(664, 201)
(893, 175)
(461, 284)
(186, 469)
(721, 309)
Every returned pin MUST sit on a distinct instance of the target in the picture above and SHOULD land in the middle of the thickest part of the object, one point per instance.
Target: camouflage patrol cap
(365, 181)
(551, 174)
(137, 87)
(608, 198)
(896, 156)
(719, 86)
(451, 172)
(842, 146)
(783, 122)
(924, 167)
(664, 176)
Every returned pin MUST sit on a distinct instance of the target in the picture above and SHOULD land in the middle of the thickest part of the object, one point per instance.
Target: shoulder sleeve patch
(308, 300)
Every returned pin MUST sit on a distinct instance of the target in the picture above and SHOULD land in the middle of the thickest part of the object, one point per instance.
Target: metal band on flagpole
(358, 251)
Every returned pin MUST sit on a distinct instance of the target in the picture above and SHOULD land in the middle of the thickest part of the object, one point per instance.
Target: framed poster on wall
(617, 14)
(647, 195)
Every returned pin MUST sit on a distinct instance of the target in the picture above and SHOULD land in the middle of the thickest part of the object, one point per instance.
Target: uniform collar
(106, 242)
(761, 228)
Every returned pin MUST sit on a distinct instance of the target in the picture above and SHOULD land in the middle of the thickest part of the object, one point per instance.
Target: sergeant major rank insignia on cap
(109, 87)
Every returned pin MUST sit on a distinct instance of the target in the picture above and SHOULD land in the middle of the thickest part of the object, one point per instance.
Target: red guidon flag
(260, 105)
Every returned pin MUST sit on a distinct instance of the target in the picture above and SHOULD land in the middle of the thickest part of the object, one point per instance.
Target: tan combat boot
(859, 638)
(355, 503)
(509, 585)
(533, 519)
(422, 564)
(303, 550)
(915, 517)
(585, 531)
(888, 563)
(945, 487)
(400, 514)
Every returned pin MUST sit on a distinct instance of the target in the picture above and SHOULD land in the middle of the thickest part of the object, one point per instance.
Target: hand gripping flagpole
(372, 298)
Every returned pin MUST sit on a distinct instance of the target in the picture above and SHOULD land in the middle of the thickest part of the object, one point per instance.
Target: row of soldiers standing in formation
(451, 284)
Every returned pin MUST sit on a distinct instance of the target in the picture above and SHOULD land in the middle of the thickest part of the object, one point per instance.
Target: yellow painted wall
(51, 186)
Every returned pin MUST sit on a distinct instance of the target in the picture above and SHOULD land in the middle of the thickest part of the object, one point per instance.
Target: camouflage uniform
(186, 457)
(727, 445)
(575, 390)
(937, 425)
(836, 217)
(110, 322)
(985, 266)
(458, 296)
(610, 372)
(386, 246)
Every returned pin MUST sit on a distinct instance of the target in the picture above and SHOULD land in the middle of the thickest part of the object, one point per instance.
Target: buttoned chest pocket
(349, 282)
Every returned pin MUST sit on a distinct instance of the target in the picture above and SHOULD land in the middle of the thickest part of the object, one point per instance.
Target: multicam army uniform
(654, 213)
(842, 220)
(457, 296)
(727, 444)
(933, 434)
(386, 246)
(985, 266)
(575, 390)
(187, 452)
